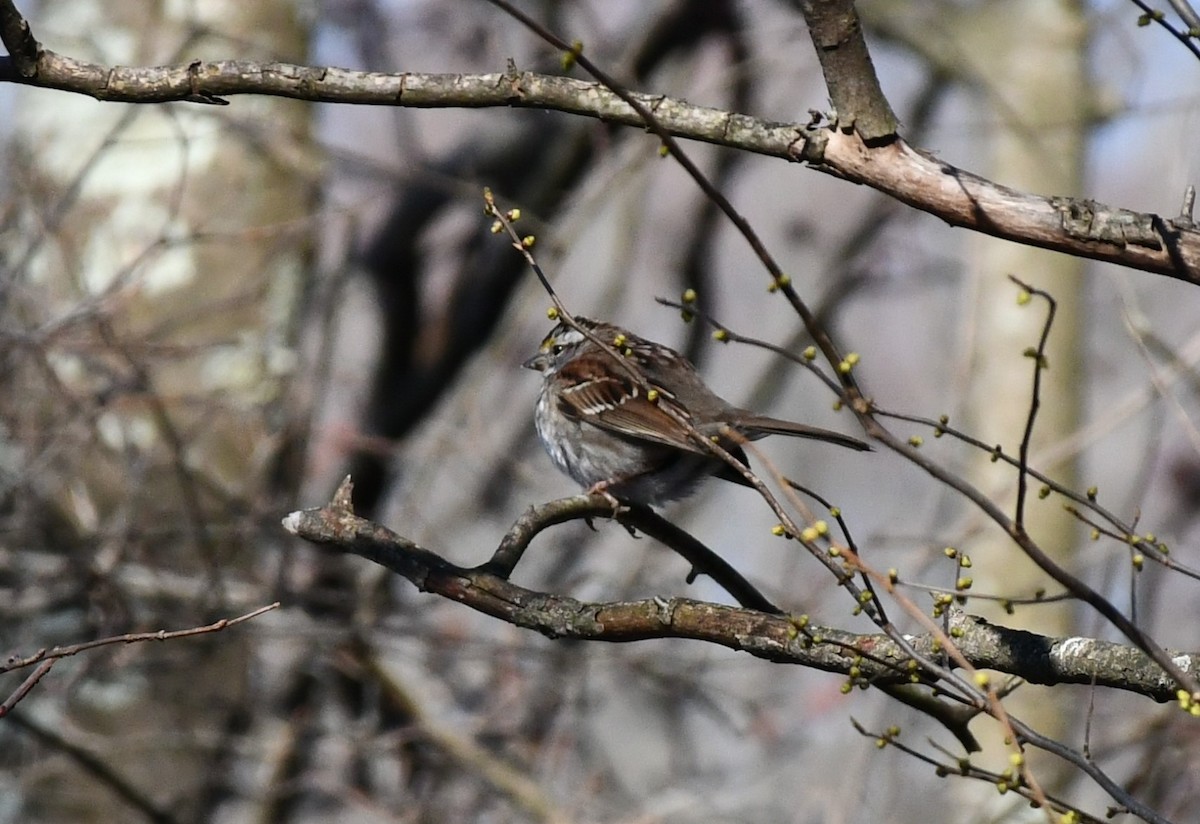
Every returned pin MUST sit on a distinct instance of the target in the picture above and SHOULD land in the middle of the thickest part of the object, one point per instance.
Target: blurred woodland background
(209, 315)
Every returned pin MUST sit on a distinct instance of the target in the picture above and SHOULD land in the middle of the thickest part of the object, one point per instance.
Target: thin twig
(1035, 401)
(1153, 15)
(26, 687)
(15, 662)
(963, 767)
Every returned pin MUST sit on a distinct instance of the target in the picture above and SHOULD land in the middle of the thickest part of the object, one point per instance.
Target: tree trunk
(1030, 57)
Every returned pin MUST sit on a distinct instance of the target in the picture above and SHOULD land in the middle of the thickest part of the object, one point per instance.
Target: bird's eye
(557, 349)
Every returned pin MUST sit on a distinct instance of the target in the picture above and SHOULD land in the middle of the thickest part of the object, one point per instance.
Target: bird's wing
(616, 403)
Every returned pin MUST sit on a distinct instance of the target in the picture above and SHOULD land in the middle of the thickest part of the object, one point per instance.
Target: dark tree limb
(17, 37)
(635, 517)
(854, 90)
(877, 659)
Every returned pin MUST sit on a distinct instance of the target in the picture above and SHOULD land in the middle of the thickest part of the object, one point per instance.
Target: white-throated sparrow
(615, 434)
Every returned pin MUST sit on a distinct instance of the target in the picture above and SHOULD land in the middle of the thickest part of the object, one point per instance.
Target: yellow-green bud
(569, 57)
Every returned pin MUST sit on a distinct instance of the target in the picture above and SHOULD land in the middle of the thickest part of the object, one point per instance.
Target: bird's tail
(758, 426)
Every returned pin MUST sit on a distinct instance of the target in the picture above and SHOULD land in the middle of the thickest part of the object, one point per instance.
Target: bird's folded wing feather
(618, 405)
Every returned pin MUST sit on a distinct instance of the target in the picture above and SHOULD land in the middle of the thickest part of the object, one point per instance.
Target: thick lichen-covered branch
(1079, 227)
(871, 658)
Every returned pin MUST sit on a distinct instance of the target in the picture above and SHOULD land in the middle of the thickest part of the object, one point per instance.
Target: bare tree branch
(1079, 227)
(18, 39)
(1076, 226)
(876, 658)
(854, 89)
(15, 662)
(634, 517)
(26, 687)
(967, 769)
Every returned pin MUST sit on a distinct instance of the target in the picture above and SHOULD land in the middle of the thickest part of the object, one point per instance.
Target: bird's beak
(538, 362)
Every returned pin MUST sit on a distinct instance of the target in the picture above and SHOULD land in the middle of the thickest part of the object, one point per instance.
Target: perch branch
(877, 658)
